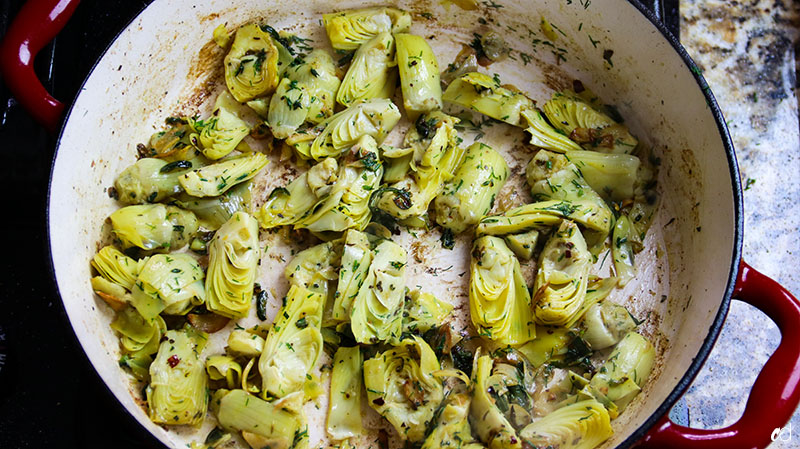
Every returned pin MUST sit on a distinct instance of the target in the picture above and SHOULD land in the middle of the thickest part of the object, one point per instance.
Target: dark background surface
(49, 394)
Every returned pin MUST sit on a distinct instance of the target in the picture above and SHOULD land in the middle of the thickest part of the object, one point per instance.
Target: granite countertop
(747, 51)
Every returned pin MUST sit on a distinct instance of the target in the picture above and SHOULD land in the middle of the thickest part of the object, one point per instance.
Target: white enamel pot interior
(161, 65)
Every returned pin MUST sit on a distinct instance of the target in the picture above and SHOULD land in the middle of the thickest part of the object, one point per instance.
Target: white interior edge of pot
(151, 71)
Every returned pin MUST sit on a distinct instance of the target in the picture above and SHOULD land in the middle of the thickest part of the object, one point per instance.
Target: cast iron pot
(615, 46)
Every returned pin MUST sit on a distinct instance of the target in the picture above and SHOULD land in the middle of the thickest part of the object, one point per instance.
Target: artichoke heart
(314, 268)
(491, 425)
(419, 75)
(116, 267)
(626, 370)
(251, 65)
(286, 206)
(545, 136)
(172, 284)
(223, 132)
(553, 176)
(305, 94)
(377, 311)
(401, 387)
(233, 258)
(214, 211)
(424, 312)
(612, 176)
(335, 135)
(241, 411)
(562, 277)
(344, 407)
(622, 250)
(153, 227)
(355, 263)
(436, 157)
(150, 180)
(138, 336)
(499, 301)
(591, 128)
(347, 30)
(218, 178)
(470, 195)
(294, 343)
(486, 95)
(452, 425)
(371, 73)
(583, 425)
(177, 143)
(605, 324)
(177, 393)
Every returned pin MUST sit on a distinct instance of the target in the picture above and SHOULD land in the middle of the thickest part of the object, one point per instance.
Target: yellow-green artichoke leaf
(214, 211)
(452, 429)
(545, 136)
(605, 324)
(485, 94)
(116, 267)
(232, 266)
(137, 334)
(224, 130)
(423, 311)
(587, 126)
(344, 407)
(347, 30)
(168, 283)
(419, 75)
(523, 244)
(150, 180)
(315, 268)
(355, 263)
(115, 295)
(612, 176)
(294, 343)
(562, 277)
(490, 424)
(626, 370)
(218, 178)
(251, 65)
(401, 387)
(371, 73)
(583, 425)
(287, 206)
(177, 393)
(377, 311)
(335, 135)
(180, 142)
(499, 301)
(223, 367)
(622, 250)
(288, 108)
(241, 411)
(153, 227)
(470, 195)
(244, 343)
(550, 343)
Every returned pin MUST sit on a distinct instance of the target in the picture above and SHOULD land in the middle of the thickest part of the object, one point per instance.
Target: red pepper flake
(173, 361)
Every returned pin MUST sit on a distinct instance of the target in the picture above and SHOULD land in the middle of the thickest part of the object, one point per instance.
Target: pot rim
(738, 231)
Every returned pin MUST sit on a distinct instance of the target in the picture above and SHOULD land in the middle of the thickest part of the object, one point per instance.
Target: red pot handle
(776, 392)
(37, 23)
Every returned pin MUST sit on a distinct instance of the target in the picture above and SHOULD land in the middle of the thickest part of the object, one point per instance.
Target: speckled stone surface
(746, 50)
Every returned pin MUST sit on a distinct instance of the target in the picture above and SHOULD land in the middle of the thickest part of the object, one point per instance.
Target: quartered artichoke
(583, 425)
(335, 135)
(499, 302)
(401, 387)
(612, 176)
(314, 268)
(272, 425)
(545, 136)
(172, 284)
(562, 277)
(491, 425)
(553, 176)
(244, 343)
(591, 128)
(251, 65)
(151, 180)
(486, 95)
(116, 267)
(287, 206)
(293, 345)
(355, 263)
(377, 310)
(347, 30)
(217, 178)
(179, 142)
(224, 130)
(605, 324)
(153, 227)
(305, 94)
(371, 74)
(470, 195)
(626, 370)
(622, 249)
(177, 391)
(419, 75)
(139, 340)
(433, 161)
(452, 429)
(344, 407)
(423, 312)
(233, 258)
(214, 211)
